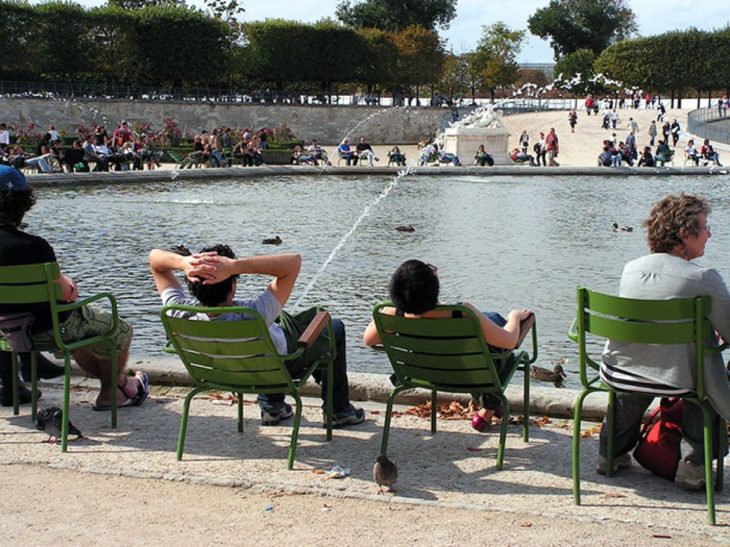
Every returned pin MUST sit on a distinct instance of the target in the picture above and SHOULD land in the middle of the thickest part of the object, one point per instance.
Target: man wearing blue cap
(18, 247)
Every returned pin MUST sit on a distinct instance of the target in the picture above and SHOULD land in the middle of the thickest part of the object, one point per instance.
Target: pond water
(499, 242)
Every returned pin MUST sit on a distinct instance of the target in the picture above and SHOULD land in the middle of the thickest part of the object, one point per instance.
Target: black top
(16, 248)
(73, 155)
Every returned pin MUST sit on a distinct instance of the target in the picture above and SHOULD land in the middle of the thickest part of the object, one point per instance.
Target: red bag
(658, 447)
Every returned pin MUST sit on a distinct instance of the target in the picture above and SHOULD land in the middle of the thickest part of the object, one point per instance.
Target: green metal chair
(240, 357)
(38, 284)
(674, 321)
(451, 355)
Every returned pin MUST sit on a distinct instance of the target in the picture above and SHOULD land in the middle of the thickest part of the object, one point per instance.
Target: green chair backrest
(236, 354)
(30, 284)
(673, 321)
(447, 354)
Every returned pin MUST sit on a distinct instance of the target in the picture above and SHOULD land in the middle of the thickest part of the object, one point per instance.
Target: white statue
(481, 117)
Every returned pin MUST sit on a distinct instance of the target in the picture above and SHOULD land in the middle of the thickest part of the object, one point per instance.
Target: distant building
(545, 68)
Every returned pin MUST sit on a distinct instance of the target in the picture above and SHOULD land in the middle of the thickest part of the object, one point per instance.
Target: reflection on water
(499, 243)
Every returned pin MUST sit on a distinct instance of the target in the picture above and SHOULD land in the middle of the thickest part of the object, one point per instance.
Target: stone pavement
(455, 468)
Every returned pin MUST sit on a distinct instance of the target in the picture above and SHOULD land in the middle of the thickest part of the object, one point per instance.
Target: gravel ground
(449, 479)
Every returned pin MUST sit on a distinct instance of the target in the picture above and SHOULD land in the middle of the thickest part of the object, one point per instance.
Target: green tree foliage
(17, 29)
(571, 25)
(420, 57)
(63, 44)
(672, 63)
(397, 15)
(139, 4)
(379, 66)
(112, 29)
(454, 80)
(496, 56)
(577, 68)
(282, 51)
(225, 10)
(178, 45)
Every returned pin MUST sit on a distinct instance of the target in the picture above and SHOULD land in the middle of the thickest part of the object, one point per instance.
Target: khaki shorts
(87, 322)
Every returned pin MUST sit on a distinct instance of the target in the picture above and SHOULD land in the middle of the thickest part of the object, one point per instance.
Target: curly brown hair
(13, 206)
(672, 218)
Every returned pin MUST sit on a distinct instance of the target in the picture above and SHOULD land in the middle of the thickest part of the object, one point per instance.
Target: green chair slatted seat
(38, 284)
(450, 355)
(673, 321)
(240, 357)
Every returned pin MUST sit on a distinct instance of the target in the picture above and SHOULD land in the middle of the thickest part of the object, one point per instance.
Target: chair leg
(240, 412)
(184, 421)
(388, 412)
(721, 449)
(434, 404)
(502, 431)
(34, 385)
(709, 482)
(577, 419)
(66, 400)
(295, 430)
(14, 358)
(526, 404)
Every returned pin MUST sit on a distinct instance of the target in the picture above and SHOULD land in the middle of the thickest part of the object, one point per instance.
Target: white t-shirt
(266, 304)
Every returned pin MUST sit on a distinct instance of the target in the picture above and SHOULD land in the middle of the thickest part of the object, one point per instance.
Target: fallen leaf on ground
(595, 430)
(614, 495)
(318, 471)
(661, 536)
(474, 449)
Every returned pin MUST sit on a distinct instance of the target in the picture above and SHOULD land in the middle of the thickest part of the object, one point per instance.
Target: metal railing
(710, 123)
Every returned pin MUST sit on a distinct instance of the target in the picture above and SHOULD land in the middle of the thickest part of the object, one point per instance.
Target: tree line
(377, 46)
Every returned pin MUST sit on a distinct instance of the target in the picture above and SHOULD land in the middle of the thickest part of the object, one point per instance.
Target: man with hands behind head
(212, 277)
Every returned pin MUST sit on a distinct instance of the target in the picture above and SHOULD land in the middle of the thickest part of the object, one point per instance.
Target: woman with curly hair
(677, 232)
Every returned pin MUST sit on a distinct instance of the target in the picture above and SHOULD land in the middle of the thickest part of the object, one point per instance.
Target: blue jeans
(340, 388)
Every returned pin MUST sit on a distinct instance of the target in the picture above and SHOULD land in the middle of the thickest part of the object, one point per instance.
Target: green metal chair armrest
(573, 331)
(78, 304)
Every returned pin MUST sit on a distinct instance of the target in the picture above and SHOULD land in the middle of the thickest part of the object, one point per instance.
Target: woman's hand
(521, 314)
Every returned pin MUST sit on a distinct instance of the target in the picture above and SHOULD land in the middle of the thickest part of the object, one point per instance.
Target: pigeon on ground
(49, 420)
(385, 473)
(272, 241)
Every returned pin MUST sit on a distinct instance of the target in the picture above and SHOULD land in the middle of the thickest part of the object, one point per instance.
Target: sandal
(104, 408)
(143, 391)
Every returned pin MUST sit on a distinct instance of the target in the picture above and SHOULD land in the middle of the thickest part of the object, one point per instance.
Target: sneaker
(273, 417)
(349, 416)
(690, 476)
(619, 462)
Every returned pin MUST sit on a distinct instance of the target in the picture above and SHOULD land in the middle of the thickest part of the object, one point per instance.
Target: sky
(653, 17)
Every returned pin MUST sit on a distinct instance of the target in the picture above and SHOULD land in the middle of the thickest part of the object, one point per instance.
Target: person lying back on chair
(212, 276)
(414, 289)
